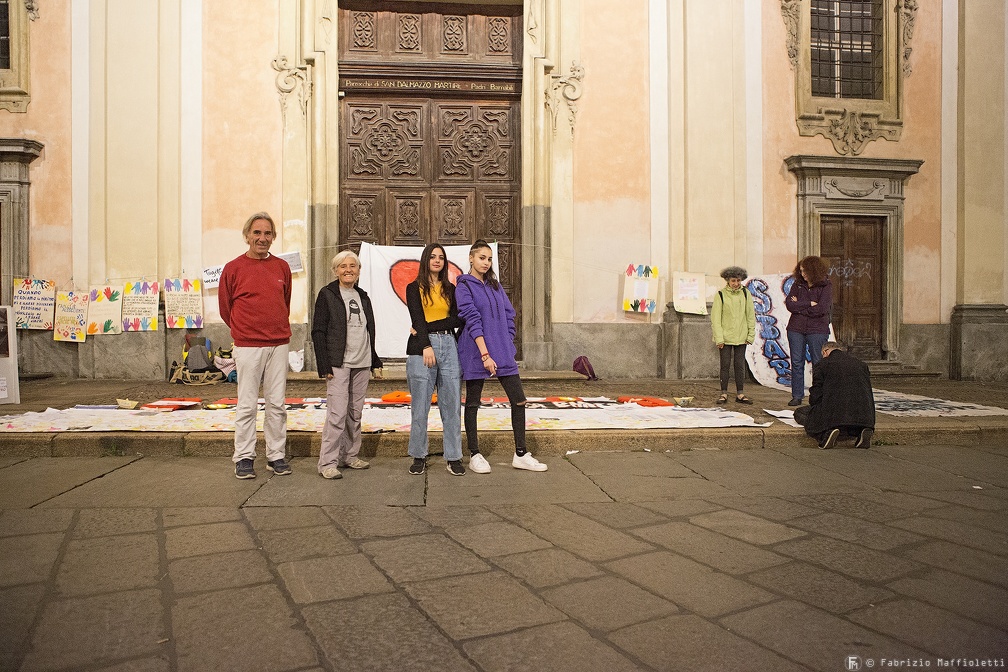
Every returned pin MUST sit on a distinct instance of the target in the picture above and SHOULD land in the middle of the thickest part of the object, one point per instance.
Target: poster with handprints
(183, 303)
(34, 303)
(640, 290)
(140, 306)
(105, 310)
(71, 317)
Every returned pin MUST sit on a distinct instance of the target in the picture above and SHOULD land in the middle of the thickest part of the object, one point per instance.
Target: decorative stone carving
(499, 35)
(363, 31)
(849, 130)
(568, 89)
(409, 32)
(454, 34)
(791, 11)
(853, 188)
(290, 81)
(531, 24)
(31, 6)
(326, 20)
(908, 11)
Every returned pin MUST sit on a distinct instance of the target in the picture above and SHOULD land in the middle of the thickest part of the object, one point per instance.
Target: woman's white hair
(343, 256)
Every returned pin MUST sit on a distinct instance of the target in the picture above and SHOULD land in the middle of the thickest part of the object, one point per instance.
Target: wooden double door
(421, 170)
(853, 248)
(430, 129)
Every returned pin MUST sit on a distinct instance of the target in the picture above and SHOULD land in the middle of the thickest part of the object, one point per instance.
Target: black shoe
(455, 468)
(244, 469)
(830, 439)
(279, 467)
(419, 466)
(794, 402)
(864, 439)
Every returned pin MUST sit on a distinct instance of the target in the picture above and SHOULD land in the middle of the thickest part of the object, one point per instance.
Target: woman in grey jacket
(343, 332)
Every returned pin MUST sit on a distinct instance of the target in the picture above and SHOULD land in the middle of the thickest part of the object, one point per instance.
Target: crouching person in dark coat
(840, 401)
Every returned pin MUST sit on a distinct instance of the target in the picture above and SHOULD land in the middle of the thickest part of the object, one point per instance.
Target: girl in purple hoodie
(486, 348)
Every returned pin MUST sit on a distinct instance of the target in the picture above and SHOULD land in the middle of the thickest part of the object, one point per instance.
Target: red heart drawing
(404, 272)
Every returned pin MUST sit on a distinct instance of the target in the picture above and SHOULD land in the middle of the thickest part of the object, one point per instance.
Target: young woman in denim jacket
(432, 360)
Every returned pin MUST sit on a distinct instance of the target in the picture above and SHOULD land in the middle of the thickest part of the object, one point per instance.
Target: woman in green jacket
(733, 319)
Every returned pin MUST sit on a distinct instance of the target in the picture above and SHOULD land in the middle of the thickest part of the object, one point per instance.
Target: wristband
(485, 356)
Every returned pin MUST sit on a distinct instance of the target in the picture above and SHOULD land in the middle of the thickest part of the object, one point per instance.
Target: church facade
(136, 136)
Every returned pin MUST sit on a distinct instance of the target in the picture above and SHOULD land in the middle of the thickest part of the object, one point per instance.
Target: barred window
(847, 50)
(5, 50)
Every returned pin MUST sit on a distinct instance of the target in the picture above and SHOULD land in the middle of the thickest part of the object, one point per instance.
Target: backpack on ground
(584, 367)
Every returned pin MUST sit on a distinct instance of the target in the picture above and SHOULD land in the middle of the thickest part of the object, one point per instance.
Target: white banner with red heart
(385, 272)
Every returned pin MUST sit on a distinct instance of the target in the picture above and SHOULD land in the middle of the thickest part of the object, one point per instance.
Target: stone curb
(394, 444)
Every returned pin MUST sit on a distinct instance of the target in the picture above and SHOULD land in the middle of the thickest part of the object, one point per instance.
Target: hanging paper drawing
(183, 303)
(640, 289)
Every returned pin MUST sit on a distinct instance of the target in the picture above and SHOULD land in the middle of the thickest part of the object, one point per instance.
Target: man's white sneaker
(528, 463)
(330, 472)
(478, 464)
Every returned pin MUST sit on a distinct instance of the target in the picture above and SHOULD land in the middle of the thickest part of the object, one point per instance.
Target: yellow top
(437, 308)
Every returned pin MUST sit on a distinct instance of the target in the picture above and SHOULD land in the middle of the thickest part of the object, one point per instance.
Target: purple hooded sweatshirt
(487, 312)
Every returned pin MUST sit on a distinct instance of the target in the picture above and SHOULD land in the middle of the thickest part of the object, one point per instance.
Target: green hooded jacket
(733, 316)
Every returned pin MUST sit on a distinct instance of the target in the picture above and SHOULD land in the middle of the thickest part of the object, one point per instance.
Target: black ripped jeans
(516, 397)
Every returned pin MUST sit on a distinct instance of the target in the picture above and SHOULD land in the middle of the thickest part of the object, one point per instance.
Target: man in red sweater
(254, 298)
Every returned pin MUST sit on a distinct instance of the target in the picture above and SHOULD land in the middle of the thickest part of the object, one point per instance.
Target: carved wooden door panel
(852, 248)
(417, 170)
(475, 190)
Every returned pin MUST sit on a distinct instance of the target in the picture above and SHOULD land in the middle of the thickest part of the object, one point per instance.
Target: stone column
(979, 319)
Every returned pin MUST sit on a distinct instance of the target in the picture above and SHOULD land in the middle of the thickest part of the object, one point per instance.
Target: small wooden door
(852, 247)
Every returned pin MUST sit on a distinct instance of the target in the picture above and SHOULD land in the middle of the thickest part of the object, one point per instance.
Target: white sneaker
(528, 463)
(330, 473)
(478, 464)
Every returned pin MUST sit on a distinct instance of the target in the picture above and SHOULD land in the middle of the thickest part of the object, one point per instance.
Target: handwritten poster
(71, 316)
(34, 303)
(689, 293)
(183, 300)
(105, 310)
(140, 306)
(640, 291)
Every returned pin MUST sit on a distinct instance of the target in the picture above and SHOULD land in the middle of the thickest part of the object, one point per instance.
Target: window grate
(846, 45)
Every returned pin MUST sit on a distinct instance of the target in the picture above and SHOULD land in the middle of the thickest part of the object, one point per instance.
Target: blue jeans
(446, 376)
(798, 342)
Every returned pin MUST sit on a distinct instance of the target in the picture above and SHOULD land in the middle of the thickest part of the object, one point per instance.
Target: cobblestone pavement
(780, 559)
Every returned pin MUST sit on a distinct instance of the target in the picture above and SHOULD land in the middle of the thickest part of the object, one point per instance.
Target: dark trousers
(801, 417)
(733, 354)
(516, 397)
